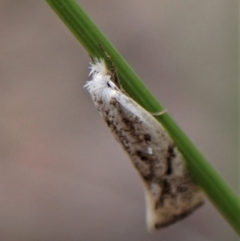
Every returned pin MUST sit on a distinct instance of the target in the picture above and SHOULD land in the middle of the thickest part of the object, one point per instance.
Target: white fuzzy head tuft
(98, 66)
(101, 84)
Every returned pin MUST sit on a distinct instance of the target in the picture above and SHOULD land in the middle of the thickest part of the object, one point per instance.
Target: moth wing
(170, 192)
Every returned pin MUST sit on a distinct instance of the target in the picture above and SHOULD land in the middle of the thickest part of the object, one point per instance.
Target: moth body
(170, 192)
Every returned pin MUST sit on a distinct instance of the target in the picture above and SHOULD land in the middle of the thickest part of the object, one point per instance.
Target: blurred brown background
(62, 175)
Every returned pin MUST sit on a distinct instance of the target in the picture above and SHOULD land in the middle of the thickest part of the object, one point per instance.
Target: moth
(170, 192)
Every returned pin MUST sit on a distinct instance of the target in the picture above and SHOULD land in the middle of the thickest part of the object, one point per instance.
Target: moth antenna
(113, 70)
(91, 58)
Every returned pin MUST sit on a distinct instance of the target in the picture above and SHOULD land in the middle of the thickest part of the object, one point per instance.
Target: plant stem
(219, 193)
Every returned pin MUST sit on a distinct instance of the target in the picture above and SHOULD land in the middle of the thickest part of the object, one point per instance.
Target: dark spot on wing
(166, 191)
(166, 187)
(142, 155)
(108, 122)
(147, 137)
(182, 188)
(170, 156)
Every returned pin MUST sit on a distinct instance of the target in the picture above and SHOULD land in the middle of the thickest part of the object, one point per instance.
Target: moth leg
(113, 68)
(160, 113)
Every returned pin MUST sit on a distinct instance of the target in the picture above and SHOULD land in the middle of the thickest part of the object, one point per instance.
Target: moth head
(101, 79)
